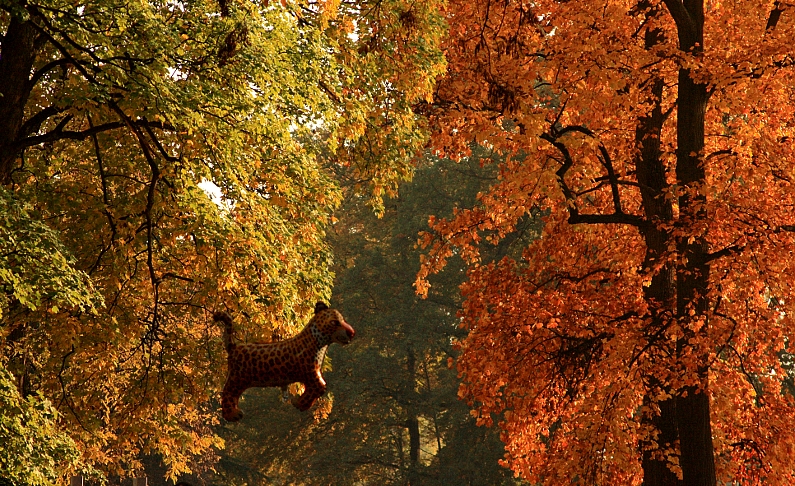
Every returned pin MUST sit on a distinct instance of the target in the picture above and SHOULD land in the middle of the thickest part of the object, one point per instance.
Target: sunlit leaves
(35, 267)
(35, 451)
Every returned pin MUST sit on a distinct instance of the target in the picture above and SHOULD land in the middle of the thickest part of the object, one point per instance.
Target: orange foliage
(656, 138)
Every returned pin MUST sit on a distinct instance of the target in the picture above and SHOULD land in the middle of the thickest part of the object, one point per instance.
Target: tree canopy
(159, 161)
(644, 336)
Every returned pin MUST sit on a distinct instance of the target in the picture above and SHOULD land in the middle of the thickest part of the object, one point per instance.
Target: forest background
(599, 234)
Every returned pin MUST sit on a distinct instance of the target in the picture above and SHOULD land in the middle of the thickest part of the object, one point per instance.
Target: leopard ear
(320, 306)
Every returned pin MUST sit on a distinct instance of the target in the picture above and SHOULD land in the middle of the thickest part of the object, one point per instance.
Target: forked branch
(618, 216)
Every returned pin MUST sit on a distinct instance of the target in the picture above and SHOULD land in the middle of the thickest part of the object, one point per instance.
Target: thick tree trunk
(16, 63)
(655, 469)
(695, 436)
(692, 404)
(692, 408)
(661, 291)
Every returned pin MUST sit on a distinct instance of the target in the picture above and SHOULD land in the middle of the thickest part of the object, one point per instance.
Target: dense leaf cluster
(35, 451)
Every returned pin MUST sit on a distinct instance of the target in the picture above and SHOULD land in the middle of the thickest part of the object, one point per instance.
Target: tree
(160, 162)
(641, 337)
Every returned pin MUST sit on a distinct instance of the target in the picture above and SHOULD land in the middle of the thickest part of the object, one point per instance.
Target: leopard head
(330, 327)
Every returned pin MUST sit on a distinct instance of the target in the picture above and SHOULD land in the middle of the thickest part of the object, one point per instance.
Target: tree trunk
(16, 63)
(692, 409)
(661, 292)
(655, 468)
(412, 422)
(692, 403)
(686, 415)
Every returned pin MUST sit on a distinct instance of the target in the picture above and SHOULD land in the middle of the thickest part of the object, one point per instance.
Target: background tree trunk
(412, 423)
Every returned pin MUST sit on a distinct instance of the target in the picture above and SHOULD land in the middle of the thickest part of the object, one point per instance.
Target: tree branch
(33, 124)
(679, 13)
(105, 199)
(159, 145)
(150, 203)
(47, 68)
(774, 17)
(606, 161)
(618, 217)
(729, 250)
(60, 134)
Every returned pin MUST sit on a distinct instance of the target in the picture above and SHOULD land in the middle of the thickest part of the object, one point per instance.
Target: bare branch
(618, 217)
(607, 163)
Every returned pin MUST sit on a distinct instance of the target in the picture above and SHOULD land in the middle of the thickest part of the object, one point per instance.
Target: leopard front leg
(314, 388)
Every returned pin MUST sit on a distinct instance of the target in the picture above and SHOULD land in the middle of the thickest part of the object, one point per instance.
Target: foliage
(165, 154)
(33, 451)
(395, 417)
(639, 339)
(35, 266)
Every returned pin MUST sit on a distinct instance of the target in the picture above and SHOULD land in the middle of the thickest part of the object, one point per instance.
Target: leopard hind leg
(230, 398)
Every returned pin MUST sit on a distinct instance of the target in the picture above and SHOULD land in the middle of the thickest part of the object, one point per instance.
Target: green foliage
(35, 267)
(33, 449)
(398, 378)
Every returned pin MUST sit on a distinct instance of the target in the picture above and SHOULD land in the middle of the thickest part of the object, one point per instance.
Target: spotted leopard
(281, 363)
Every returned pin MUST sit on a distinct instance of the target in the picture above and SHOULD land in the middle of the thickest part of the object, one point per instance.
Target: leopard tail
(224, 317)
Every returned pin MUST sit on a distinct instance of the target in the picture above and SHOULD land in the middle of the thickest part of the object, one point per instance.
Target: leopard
(278, 364)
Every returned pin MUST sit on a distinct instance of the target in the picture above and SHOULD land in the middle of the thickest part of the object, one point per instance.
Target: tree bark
(661, 292)
(692, 410)
(16, 63)
(686, 415)
(412, 422)
(692, 404)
